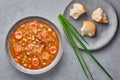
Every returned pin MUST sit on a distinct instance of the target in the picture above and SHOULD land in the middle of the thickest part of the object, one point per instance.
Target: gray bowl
(25, 70)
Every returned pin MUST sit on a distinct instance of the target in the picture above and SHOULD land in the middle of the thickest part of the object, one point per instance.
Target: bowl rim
(37, 71)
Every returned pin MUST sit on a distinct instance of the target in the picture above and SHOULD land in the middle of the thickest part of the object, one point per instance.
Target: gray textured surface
(68, 68)
(105, 32)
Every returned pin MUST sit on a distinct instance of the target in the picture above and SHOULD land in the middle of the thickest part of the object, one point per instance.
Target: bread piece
(88, 28)
(99, 16)
(77, 10)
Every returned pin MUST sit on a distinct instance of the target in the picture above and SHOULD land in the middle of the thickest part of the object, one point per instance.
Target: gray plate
(105, 32)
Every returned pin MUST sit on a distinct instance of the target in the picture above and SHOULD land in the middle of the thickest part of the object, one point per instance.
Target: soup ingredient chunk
(53, 49)
(45, 55)
(35, 62)
(18, 34)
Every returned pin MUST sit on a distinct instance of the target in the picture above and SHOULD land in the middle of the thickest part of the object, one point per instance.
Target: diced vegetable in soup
(34, 44)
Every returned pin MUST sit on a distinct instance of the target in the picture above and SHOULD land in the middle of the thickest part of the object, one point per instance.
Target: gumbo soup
(34, 44)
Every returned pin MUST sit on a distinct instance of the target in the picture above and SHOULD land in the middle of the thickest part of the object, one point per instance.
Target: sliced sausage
(33, 26)
(35, 61)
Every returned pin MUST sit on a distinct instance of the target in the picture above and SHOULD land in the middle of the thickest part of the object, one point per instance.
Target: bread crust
(99, 15)
(88, 28)
(77, 10)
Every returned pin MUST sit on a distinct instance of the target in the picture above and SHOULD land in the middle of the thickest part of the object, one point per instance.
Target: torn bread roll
(77, 10)
(99, 16)
(88, 28)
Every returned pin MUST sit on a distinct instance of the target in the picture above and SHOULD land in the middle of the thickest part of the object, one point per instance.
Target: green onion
(34, 31)
(23, 44)
(25, 57)
(69, 28)
(26, 32)
(43, 28)
(23, 49)
(76, 50)
(51, 38)
(29, 38)
(14, 43)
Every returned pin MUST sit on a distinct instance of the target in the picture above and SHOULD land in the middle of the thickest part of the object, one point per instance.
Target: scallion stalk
(76, 50)
(70, 29)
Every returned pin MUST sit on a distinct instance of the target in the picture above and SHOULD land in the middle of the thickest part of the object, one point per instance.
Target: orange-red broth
(34, 44)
